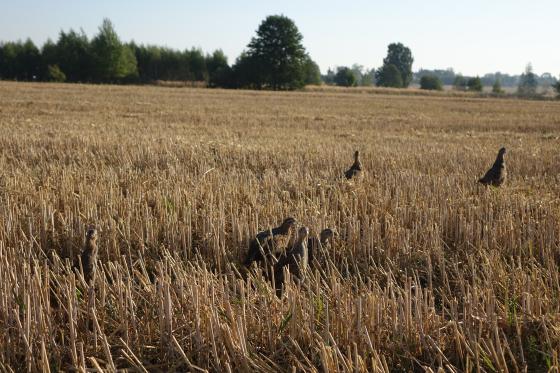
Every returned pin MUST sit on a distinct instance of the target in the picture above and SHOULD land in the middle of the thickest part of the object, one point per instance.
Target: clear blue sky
(473, 37)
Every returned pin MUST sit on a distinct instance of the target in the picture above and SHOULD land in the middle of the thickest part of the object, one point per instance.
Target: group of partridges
(276, 250)
(282, 249)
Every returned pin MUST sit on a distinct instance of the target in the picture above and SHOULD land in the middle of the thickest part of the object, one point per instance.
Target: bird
(356, 169)
(269, 242)
(89, 255)
(314, 243)
(496, 175)
(295, 260)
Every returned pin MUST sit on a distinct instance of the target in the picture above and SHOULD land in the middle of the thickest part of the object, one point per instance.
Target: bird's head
(91, 234)
(502, 151)
(357, 155)
(326, 235)
(303, 233)
(288, 223)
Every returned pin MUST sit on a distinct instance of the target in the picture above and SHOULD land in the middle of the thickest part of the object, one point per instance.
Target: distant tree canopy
(275, 59)
(345, 77)
(218, 69)
(430, 82)
(389, 76)
(497, 87)
(311, 72)
(21, 61)
(113, 61)
(401, 57)
(557, 87)
(446, 76)
(460, 83)
(474, 84)
(527, 83)
(276, 56)
(72, 53)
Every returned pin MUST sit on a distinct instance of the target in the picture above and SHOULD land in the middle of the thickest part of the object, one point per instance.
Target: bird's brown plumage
(314, 243)
(270, 242)
(89, 255)
(294, 260)
(355, 170)
(496, 175)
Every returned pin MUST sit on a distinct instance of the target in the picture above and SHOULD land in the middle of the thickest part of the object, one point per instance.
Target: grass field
(430, 270)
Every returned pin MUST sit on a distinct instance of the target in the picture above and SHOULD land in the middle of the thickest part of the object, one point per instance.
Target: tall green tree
(277, 54)
(29, 61)
(389, 76)
(197, 65)
(401, 57)
(113, 60)
(20, 61)
(311, 72)
(245, 72)
(8, 56)
(528, 82)
(72, 53)
(149, 62)
(219, 72)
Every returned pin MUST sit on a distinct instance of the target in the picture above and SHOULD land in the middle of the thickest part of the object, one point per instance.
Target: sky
(473, 37)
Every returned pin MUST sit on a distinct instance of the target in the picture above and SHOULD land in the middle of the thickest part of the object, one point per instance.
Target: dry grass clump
(429, 269)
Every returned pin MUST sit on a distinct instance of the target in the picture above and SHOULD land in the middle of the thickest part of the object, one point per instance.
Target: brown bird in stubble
(355, 170)
(295, 260)
(89, 256)
(270, 242)
(314, 243)
(496, 175)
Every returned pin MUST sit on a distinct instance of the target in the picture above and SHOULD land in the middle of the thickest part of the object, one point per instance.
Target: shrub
(474, 84)
(54, 74)
(430, 82)
(389, 76)
(345, 77)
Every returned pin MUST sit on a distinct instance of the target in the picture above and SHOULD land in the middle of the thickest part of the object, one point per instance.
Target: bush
(54, 74)
(474, 84)
(389, 76)
(345, 77)
(430, 82)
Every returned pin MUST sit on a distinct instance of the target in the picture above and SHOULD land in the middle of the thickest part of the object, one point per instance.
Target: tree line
(396, 72)
(275, 58)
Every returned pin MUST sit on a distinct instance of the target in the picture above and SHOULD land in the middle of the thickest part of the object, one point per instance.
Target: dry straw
(429, 270)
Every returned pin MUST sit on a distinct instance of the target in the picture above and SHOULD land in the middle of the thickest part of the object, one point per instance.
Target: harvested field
(429, 269)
